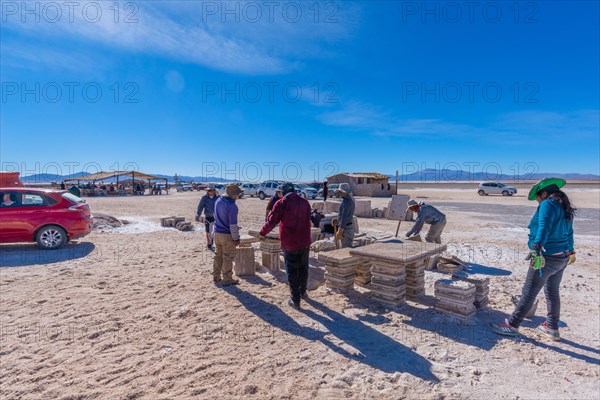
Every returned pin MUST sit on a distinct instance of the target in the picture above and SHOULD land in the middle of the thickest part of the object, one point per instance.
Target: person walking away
(227, 235)
(325, 191)
(427, 214)
(207, 205)
(345, 229)
(292, 213)
(278, 195)
(552, 249)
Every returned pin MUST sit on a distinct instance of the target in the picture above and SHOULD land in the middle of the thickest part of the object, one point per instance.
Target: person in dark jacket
(278, 195)
(292, 213)
(207, 205)
(552, 249)
(430, 215)
(325, 191)
(345, 220)
(227, 235)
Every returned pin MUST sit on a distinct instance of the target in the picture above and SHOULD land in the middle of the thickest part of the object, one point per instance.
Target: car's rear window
(72, 198)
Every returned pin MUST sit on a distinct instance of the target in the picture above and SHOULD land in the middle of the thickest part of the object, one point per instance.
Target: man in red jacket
(292, 213)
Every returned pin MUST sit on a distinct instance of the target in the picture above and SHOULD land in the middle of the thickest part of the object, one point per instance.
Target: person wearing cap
(552, 249)
(292, 213)
(345, 229)
(207, 205)
(278, 195)
(427, 214)
(227, 235)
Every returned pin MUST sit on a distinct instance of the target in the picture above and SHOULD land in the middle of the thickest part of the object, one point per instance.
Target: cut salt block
(244, 264)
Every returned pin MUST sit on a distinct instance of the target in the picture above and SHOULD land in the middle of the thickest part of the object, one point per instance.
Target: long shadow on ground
(375, 349)
(23, 255)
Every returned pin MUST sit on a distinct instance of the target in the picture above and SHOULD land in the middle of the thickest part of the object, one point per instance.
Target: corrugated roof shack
(368, 184)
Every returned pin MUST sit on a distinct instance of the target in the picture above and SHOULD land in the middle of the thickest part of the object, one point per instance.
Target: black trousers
(296, 268)
(207, 222)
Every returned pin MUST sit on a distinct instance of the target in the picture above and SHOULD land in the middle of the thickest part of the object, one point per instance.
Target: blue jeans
(552, 274)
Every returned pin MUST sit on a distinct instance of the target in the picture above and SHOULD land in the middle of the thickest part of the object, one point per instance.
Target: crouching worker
(427, 214)
(292, 213)
(227, 235)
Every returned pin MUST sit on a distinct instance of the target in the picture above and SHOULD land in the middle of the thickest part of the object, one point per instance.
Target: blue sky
(197, 88)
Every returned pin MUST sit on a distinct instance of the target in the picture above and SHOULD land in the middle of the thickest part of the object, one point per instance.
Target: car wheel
(51, 237)
(504, 193)
(261, 196)
(481, 192)
(303, 195)
(510, 194)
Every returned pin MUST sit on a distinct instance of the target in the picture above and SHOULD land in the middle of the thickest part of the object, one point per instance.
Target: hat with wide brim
(344, 188)
(544, 183)
(411, 203)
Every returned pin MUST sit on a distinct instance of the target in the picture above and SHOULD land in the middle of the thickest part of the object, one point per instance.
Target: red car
(49, 217)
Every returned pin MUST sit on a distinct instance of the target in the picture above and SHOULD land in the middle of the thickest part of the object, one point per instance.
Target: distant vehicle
(49, 217)
(486, 188)
(220, 188)
(305, 191)
(250, 189)
(187, 188)
(332, 188)
(267, 189)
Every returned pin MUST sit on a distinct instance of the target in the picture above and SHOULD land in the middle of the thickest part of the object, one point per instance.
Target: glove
(535, 257)
(197, 218)
(261, 238)
(340, 234)
(572, 258)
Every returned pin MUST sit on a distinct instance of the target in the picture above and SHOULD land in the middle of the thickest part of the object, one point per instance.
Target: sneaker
(231, 282)
(504, 328)
(550, 333)
(292, 303)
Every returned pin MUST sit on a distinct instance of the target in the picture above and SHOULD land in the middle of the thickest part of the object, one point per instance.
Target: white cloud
(182, 31)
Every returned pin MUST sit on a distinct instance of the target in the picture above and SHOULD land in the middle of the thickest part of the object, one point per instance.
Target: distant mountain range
(426, 175)
(47, 178)
(447, 175)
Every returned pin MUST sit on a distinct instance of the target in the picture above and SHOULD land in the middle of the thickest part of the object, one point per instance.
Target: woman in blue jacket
(551, 244)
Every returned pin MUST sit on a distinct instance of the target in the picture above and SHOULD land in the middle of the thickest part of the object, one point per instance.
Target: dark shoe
(292, 303)
(304, 295)
(231, 282)
(217, 279)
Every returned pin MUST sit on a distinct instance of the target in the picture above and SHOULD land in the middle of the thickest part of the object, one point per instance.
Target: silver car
(305, 191)
(249, 189)
(486, 188)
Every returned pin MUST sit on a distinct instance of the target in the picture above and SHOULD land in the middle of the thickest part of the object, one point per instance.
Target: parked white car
(250, 189)
(267, 189)
(486, 188)
(305, 191)
(332, 188)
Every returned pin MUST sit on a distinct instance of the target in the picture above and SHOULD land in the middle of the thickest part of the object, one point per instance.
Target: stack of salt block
(415, 278)
(363, 273)
(244, 264)
(388, 282)
(340, 268)
(482, 287)
(455, 298)
(450, 264)
(270, 250)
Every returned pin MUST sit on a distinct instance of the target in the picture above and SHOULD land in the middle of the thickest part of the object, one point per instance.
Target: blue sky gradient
(383, 86)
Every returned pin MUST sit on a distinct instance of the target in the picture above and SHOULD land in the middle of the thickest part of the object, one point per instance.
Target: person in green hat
(551, 244)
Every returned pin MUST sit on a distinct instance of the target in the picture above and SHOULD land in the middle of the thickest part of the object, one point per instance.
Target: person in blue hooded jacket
(552, 249)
